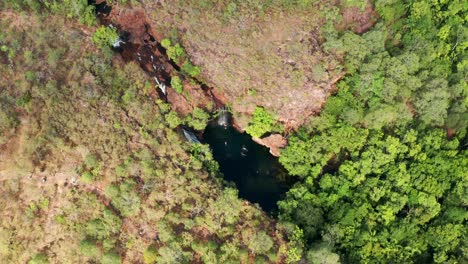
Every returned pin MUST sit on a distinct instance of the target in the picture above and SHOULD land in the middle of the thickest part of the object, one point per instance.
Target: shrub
(40, 258)
(166, 43)
(191, 69)
(150, 255)
(174, 52)
(91, 161)
(176, 84)
(105, 37)
(260, 243)
(89, 248)
(173, 119)
(261, 123)
(30, 76)
(87, 177)
(198, 119)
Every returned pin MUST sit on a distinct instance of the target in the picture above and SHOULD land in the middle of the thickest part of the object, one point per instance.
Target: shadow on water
(256, 173)
(101, 8)
(250, 166)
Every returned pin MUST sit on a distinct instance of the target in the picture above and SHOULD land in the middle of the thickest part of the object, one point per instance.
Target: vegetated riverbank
(291, 88)
(81, 127)
(257, 174)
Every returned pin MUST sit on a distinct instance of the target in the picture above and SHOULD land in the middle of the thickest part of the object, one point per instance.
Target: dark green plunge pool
(256, 173)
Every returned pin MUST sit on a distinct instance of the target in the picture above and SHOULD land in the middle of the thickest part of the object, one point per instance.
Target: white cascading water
(223, 117)
(191, 137)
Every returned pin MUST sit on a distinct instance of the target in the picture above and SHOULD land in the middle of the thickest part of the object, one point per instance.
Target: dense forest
(384, 166)
(94, 166)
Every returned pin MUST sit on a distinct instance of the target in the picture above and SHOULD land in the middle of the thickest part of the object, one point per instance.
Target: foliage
(176, 84)
(150, 255)
(78, 9)
(419, 169)
(91, 169)
(261, 123)
(296, 246)
(89, 248)
(85, 115)
(39, 259)
(124, 197)
(111, 258)
(322, 254)
(198, 119)
(260, 243)
(174, 52)
(190, 69)
(104, 37)
(103, 227)
(378, 176)
(173, 119)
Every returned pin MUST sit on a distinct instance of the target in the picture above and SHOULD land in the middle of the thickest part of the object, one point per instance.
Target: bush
(174, 52)
(91, 161)
(150, 255)
(176, 84)
(261, 123)
(190, 69)
(173, 119)
(124, 197)
(260, 243)
(87, 177)
(166, 43)
(89, 248)
(104, 37)
(40, 258)
(198, 119)
(111, 258)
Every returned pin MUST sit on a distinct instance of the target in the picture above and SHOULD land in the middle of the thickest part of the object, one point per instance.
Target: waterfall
(161, 85)
(223, 117)
(191, 137)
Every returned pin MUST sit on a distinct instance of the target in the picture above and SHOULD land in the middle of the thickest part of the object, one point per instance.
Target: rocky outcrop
(274, 142)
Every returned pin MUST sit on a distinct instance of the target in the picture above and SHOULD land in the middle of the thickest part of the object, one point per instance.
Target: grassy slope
(69, 112)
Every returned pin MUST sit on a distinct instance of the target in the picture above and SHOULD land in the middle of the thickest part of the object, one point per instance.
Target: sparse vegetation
(97, 163)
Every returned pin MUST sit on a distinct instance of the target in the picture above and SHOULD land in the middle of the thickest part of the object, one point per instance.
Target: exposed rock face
(275, 61)
(357, 20)
(274, 142)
